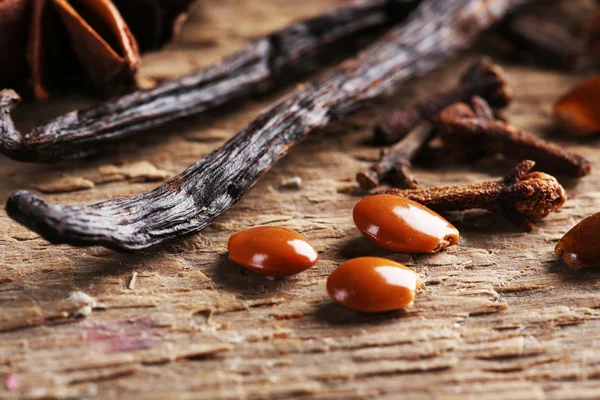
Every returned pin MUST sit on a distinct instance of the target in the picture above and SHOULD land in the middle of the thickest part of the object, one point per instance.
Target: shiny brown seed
(579, 248)
(399, 224)
(578, 112)
(373, 284)
(272, 250)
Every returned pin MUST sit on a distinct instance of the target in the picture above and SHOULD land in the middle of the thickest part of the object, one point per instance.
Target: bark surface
(498, 317)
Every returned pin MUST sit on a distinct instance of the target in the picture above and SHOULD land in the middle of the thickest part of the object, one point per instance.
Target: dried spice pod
(67, 42)
(522, 197)
(264, 64)
(272, 251)
(471, 136)
(578, 111)
(579, 248)
(373, 284)
(192, 200)
(398, 224)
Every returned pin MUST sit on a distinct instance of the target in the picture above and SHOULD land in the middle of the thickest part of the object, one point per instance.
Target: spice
(373, 284)
(398, 224)
(541, 42)
(483, 78)
(578, 111)
(472, 137)
(579, 248)
(395, 163)
(272, 251)
(264, 64)
(522, 197)
(90, 40)
(190, 201)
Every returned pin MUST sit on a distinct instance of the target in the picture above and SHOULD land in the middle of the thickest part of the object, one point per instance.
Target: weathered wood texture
(498, 317)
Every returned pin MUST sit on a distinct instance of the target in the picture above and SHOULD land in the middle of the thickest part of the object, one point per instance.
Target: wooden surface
(498, 317)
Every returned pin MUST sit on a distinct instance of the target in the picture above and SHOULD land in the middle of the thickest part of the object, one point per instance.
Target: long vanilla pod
(264, 64)
(190, 201)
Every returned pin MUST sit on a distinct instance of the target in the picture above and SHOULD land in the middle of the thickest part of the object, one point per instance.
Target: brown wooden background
(498, 317)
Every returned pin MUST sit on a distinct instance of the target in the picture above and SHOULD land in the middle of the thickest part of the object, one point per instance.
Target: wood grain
(498, 316)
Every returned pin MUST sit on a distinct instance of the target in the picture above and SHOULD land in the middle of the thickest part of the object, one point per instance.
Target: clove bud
(483, 78)
(522, 197)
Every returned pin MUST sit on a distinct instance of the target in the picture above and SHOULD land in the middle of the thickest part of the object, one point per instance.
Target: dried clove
(190, 201)
(264, 64)
(395, 163)
(578, 111)
(472, 137)
(483, 78)
(522, 197)
(539, 41)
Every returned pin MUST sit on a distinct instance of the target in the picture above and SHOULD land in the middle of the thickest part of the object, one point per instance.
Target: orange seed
(578, 112)
(399, 224)
(579, 248)
(373, 284)
(272, 250)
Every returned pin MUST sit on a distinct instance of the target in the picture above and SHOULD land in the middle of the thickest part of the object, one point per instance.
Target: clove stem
(397, 160)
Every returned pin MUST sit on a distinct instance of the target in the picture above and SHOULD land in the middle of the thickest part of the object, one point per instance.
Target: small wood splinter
(522, 197)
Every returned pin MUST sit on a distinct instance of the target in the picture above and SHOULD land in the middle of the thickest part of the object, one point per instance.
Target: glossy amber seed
(580, 248)
(399, 224)
(373, 284)
(578, 112)
(272, 250)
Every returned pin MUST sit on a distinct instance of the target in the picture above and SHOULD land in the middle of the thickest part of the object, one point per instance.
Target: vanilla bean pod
(264, 64)
(192, 200)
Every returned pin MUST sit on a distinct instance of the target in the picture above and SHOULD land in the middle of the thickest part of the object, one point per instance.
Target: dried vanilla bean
(192, 200)
(264, 64)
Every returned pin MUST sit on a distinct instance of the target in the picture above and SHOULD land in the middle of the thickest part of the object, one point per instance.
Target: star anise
(53, 44)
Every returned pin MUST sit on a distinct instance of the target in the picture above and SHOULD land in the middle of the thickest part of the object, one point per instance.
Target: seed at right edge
(579, 248)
